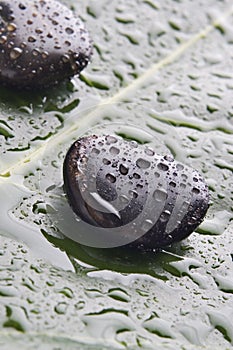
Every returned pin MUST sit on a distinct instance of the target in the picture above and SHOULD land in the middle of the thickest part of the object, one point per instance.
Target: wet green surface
(167, 69)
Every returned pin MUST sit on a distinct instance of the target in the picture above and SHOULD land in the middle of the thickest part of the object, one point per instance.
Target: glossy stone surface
(41, 43)
(111, 182)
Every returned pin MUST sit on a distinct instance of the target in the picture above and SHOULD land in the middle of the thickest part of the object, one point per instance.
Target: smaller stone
(41, 43)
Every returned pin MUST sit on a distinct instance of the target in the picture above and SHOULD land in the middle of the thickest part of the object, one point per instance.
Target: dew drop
(3, 39)
(31, 39)
(65, 58)
(179, 167)
(124, 169)
(169, 158)
(11, 27)
(143, 163)
(111, 178)
(124, 199)
(195, 190)
(133, 194)
(165, 216)
(146, 225)
(163, 166)
(149, 151)
(44, 54)
(110, 139)
(69, 30)
(136, 176)
(15, 53)
(160, 195)
(22, 6)
(35, 52)
(114, 150)
(106, 161)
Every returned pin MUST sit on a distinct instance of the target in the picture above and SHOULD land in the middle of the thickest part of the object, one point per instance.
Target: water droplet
(15, 53)
(11, 27)
(61, 308)
(36, 52)
(149, 151)
(111, 178)
(3, 39)
(143, 163)
(31, 39)
(69, 30)
(114, 150)
(160, 195)
(146, 225)
(133, 194)
(106, 161)
(124, 199)
(165, 215)
(65, 58)
(195, 190)
(22, 6)
(136, 176)
(124, 169)
(95, 151)
(179, 167)
(169, 158)
(163, 166)
(110, 139)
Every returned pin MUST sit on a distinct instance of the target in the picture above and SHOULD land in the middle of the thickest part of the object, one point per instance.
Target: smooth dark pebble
(41, 43)
(175, 202)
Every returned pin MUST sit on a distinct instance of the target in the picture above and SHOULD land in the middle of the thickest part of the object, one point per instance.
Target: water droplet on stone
(133, 194)
(106, 161)
(149, 151)
(124, 169)
(124, 199)
(110, 140)
(136, 176)
(15, 53)
(146, 225)
(160, 195)
(143, 163)
(165, 216)
(3, 39)
(169, 158)
(111, 178)
(195, 190)
(163, 166)
(69, 30)
(11, 27)
(179, 167)
(114, 150)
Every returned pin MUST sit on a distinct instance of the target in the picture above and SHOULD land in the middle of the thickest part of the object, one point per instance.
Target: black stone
(173, 196)
(41, 43)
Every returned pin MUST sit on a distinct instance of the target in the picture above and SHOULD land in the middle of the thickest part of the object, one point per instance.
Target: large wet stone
(41, 43)
(134, 195)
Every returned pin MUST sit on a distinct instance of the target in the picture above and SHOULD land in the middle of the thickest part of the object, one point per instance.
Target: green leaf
(161, 74)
